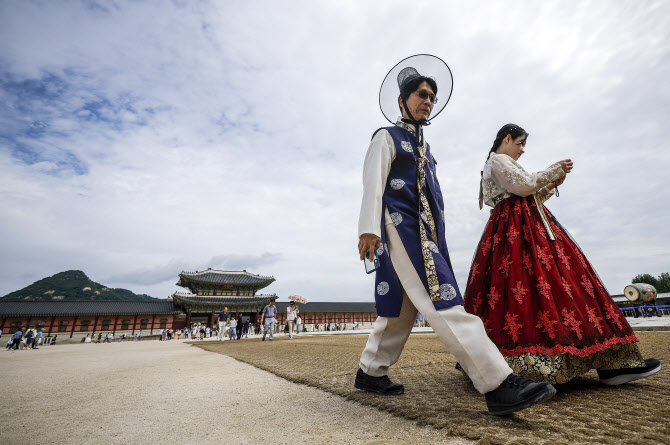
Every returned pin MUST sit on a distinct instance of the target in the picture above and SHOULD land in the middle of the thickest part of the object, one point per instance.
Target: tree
(663, 283)
(647, 279)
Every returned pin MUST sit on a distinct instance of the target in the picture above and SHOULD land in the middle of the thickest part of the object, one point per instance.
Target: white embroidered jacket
(503, 177)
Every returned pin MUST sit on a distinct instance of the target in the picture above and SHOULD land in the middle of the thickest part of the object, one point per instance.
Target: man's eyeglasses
(424, 95)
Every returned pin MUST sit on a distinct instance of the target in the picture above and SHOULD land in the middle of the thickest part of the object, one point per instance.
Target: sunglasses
(424, 95)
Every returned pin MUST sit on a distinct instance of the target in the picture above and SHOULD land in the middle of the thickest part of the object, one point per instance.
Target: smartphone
(371, 266)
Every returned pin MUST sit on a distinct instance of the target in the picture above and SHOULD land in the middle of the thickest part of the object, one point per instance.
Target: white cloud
(139, 139)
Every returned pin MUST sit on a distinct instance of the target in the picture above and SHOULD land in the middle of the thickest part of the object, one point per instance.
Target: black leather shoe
(381, 385)
(625, 375)
(517, 393)
(460, 368)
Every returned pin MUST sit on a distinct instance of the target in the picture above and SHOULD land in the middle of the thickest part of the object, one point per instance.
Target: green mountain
(73, 285)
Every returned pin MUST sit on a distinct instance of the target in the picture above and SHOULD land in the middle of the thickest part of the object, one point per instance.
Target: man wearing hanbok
(402, 224)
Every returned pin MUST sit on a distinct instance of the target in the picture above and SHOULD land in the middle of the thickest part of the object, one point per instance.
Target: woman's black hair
(413, 85)
(512, 129)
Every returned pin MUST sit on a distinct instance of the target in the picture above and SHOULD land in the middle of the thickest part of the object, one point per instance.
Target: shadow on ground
(436, 394)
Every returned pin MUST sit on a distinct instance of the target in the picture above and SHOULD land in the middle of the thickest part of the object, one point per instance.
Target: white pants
(291, 327)
(462, 333)
(219, 333)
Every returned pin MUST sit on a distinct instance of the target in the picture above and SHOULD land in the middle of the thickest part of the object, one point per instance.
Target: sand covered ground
(436, 394)
(171, 392)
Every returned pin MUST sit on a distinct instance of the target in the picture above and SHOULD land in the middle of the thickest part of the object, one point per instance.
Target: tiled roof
(621, 298)
(47, 308)
(217, 303)
(237, 278)
(220, 300)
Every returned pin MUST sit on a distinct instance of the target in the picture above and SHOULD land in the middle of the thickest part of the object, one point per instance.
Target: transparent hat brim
(427, 65)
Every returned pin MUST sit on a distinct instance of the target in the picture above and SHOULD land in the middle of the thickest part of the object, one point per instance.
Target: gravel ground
(170, 392)
(584, 410)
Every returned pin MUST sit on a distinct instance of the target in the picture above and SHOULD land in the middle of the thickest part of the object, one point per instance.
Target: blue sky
(140, 139)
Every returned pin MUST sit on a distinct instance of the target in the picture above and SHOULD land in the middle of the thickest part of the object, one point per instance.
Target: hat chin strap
(418, 132)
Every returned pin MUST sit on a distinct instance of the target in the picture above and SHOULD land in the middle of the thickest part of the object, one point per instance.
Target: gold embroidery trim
(429, 262)
(498, 199)
(543, 216)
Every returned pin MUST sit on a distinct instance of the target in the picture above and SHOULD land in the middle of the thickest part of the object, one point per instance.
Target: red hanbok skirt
(541, 302)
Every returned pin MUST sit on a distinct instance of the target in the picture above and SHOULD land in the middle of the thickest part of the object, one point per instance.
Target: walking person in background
(245, 330)
(30, 339)
(268, 318)
(298, 323)
(223, 321)
(232, 329)
(16, 339)
(240, 325)
(291, 315)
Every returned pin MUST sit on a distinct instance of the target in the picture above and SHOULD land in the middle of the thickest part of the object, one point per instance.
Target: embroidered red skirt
(541, 302)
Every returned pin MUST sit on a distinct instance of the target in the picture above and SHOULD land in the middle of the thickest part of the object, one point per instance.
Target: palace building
(212, 290)
(206, 294)
(87, 317)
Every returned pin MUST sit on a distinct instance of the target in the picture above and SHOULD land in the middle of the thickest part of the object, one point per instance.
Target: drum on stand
(640, 293)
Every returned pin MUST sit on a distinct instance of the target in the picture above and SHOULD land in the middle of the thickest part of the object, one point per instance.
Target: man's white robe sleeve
(381, 154)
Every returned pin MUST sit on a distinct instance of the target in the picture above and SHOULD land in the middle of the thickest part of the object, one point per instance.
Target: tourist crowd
(30, 339)
(231, 327)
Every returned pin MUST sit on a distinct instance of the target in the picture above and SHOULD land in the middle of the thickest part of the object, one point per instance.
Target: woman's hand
(566, 165)
(559, 181)
(368, 242)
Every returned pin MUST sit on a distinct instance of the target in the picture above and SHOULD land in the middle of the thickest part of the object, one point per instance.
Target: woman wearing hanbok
(541, 301)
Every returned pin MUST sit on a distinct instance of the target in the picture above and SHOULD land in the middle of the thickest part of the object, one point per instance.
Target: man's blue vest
(401, 198)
